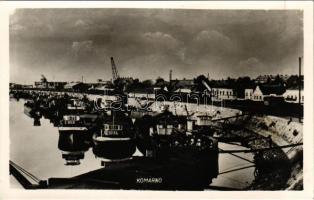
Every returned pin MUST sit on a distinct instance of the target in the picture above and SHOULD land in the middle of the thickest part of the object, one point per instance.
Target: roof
(70, 85)
(74, 84)
(102, 87)
(141, 90)
(272, 89)
(221, 84)
(184, 90)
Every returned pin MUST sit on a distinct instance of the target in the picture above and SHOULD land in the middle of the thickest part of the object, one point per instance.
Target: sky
(66, 44)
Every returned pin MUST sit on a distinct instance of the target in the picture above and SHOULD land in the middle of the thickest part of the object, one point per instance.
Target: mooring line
(240, 157)
(34, 178)
(238, 169)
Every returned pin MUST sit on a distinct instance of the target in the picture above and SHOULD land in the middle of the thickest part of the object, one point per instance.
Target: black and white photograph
(157, 99)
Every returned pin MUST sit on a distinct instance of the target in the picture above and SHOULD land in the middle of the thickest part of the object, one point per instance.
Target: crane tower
(115, 74)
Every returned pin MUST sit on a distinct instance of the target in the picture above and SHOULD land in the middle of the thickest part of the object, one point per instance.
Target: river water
(35, 148)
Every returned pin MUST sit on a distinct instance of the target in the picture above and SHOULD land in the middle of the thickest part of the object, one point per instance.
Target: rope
(233, 170)
(240, 157)
(34, 178)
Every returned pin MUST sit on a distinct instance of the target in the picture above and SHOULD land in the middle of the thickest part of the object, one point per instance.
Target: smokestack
(170, 75)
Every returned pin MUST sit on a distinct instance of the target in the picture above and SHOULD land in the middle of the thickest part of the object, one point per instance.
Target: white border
(307, 193)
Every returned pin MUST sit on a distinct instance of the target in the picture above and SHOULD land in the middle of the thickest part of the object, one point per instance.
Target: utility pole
(300, 82)
(170, 75)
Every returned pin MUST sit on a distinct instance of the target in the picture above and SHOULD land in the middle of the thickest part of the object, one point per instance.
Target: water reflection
(32, 110)
(45, 161)
(38, 149)
(73, 146)
(36, 122)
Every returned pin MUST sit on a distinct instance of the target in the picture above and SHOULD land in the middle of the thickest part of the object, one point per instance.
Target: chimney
(170, 75)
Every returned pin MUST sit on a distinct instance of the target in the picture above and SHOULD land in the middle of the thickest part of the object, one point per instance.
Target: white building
(262, 91)
(223, 94)
(248, 93)
(142, 93)
(257, 94)
(292, 95)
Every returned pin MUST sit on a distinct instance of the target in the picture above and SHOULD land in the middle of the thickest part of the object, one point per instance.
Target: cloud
(251, 63)
(251, 66)
(82, 48)
(212, 35)
(210, 44)
(161, 41)
(213, 40)
(80, 23)
(188, 41)
(159, 35)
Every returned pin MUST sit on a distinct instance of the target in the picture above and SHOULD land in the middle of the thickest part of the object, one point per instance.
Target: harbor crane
(115, 74)
(43, 79)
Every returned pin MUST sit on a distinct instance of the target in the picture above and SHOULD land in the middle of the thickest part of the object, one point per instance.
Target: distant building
(222, 90)
(19, 86)
(49, 85)
(180, 84)
(101, 89)
(56, 85)
(27, 86)
(147, 93)
(292, 95)
(184, 90)
(270, 78)
(264, 78)
(284, 77)
(161, 85)
(100, 84)
(262, 91)
(124, 80)
(76, 87)
(257, 94)
(15, 86)
(41, 85)
(223, 93)
(248, 93)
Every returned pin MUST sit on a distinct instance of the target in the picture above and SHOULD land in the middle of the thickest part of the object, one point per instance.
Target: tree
(147, 83)
(160, 80)
(241, 84)
(278, 80)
